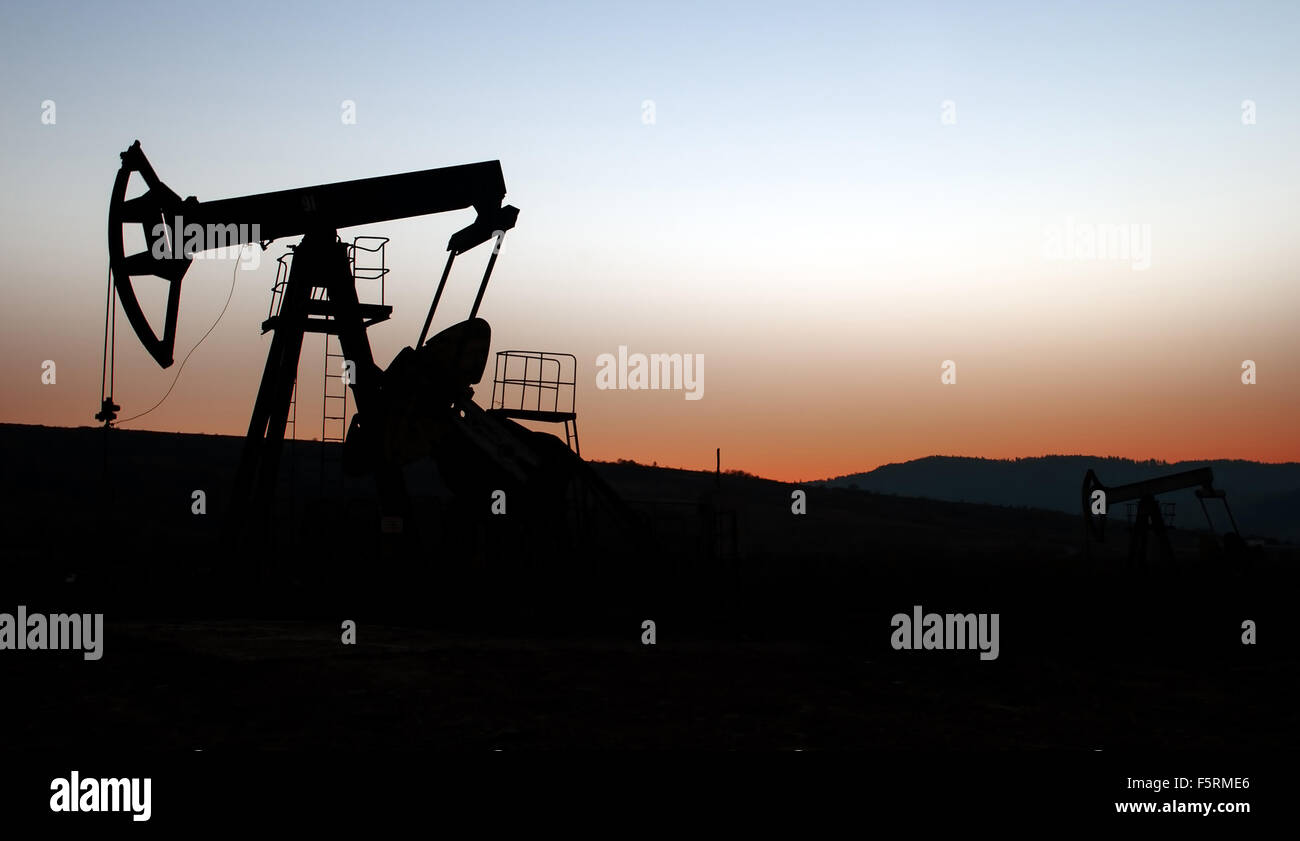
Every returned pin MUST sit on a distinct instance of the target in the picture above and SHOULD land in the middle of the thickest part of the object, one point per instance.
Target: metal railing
(367, 260)
(360, 261)
(283, 264)
(548, 389)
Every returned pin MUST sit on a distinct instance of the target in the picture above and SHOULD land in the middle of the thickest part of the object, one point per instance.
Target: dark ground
(248, 684)
(490, 640)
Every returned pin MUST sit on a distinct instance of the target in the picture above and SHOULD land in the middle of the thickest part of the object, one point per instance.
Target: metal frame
(558, 411)
(380, 272)
(1150, 512)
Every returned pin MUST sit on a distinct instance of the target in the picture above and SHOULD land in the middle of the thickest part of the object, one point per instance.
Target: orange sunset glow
(825, 257)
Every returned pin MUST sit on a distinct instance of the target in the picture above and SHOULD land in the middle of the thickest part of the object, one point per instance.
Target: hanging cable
(104, 390)
(234, 274)
(112, 341)
(107, 408)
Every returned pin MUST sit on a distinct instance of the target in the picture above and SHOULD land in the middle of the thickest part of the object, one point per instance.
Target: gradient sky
(798, 212)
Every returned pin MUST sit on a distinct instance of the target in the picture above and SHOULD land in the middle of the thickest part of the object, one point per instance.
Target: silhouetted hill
(138, 485)
(1265, 498)
(114, 510)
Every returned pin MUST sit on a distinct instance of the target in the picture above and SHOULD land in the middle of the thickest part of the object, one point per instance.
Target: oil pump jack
(1148, 518)
(421, 404)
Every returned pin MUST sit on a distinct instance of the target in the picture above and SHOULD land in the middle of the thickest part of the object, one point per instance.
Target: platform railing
(368, 260)
(546, 383)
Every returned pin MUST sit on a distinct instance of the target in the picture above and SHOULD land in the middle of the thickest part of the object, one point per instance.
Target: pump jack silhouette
(420, 405)
(1148, 521)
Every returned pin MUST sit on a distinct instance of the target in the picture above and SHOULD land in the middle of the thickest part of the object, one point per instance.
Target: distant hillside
(77, 496)
(1265, 498)
(131, 490)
